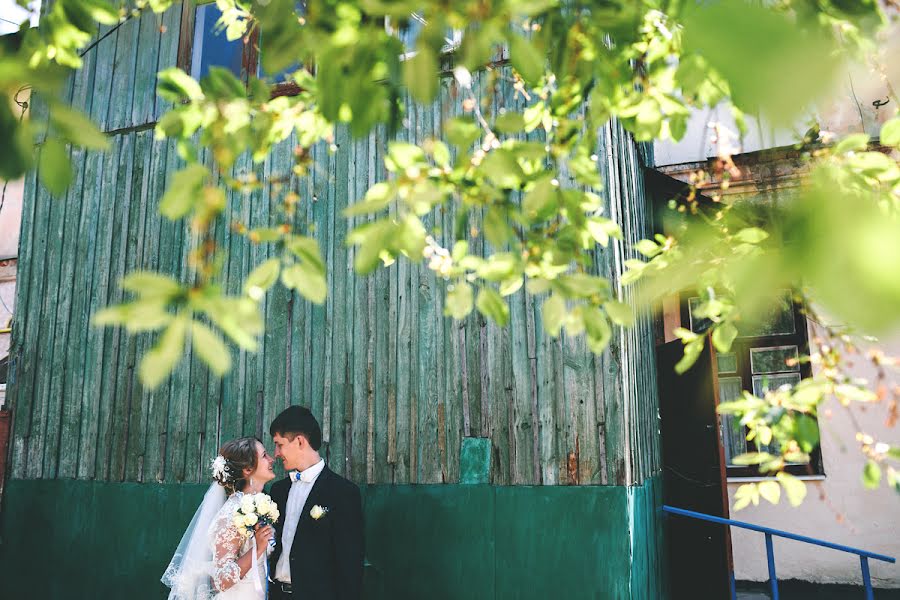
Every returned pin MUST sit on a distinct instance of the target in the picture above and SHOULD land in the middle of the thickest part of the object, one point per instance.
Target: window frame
(741, 349)
(249, 57)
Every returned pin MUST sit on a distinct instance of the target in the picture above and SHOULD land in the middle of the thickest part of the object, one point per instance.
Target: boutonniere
(317, 512)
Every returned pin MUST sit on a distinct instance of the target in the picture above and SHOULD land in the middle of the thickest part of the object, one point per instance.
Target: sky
(11, 14)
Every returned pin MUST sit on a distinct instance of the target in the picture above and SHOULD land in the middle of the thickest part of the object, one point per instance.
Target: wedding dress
(204, 566)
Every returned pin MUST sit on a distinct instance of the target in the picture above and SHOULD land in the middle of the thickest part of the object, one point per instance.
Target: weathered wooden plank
(123, 83)
(114, 338)
(45, 410)
(338, 389)
(168, 49)
(127, 394)
(148, 43)
(169, 256)
(18, 393)
(151, 157)
(361, 333)
(59, 394)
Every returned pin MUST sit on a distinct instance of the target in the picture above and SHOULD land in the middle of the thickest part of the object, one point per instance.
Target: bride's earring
(251, 484)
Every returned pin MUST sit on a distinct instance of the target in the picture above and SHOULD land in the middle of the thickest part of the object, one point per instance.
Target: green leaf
(496, 228)
(410, 237)
(307, 279)
(852, 143)
(893, 479)
(175, 85)
(262, 278)
(751, 235)
(796, 64)
(377, 198)
(498, 267)
(511, 285)
(307, 249)
(619, 312)
(692, 351)
(770, 491)
(526, 58)
(136, 317)
(78, 129)
(183, 191)
(542, 202)
(501, 167)
(402, 155)
(102, 12)
(890, 133)
(509, 122)
(149, 285)
(598, 330)
(745, 494)
(420, 73)
(462, 132)
(752, 458)
(54, 168)
(459, 301)
(602, 229)
(724, 335)
(162, 358)
(793, 487)
(210, 348)
(441, 153)
(648, 248)
(553, 313)
(492, 306)
(265, 234)
(871, 475)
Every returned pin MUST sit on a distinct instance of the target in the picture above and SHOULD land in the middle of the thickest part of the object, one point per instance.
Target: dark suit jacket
(327, 553)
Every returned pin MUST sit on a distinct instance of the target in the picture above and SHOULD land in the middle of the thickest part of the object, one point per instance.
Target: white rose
(247, 504)
(264, 506)
(238, 521)
(317, 512)
(250, 520)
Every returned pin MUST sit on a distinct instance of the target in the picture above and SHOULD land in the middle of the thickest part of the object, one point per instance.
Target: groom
(319, 538)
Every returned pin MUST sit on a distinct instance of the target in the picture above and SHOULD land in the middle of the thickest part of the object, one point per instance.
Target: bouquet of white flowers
(255, 509)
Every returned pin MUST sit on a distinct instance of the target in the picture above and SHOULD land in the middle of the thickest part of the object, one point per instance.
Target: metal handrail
(864, 555)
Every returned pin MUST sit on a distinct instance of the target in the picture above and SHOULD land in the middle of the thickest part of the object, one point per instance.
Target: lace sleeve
(227, 541)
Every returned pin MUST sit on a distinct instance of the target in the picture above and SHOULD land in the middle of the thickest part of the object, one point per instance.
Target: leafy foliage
(526, 179)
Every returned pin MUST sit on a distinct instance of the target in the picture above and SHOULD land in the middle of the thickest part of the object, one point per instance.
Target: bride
(214, 558)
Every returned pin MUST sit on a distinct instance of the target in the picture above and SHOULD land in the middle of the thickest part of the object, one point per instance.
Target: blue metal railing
(864, 555)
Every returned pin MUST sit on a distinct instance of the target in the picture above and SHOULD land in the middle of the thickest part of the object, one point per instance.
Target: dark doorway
(699, 553)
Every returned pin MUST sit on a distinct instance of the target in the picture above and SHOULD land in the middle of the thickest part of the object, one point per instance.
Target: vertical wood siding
(395, 384)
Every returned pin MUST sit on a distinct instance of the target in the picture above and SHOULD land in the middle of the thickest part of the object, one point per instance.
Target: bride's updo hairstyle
(233, 458)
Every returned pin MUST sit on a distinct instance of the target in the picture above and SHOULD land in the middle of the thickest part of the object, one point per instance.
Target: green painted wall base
(72, 539)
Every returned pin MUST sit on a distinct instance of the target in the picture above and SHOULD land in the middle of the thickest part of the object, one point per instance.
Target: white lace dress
(228, 545)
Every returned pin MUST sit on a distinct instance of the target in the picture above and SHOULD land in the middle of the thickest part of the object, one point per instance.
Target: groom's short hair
(297, 420)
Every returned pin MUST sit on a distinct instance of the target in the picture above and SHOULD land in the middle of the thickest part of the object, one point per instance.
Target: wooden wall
(395, 384)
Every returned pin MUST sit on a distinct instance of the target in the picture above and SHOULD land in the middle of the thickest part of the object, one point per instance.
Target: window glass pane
(777, 319)
(211, 47)
(726, 362)
(774, 359)
(734, 438)
(766, 383)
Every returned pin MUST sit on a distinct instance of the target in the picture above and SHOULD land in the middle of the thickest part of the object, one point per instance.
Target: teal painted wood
(396, 385)
(458, 541)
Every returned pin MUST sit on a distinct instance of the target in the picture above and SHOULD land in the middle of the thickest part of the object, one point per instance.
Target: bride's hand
(263, 535)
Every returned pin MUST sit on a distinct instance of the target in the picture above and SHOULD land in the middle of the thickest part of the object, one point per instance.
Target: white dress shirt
(296, 501)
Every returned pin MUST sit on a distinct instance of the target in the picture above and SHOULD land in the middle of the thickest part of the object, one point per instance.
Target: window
(204, 45)
(759, 361)
(409, 31)
(210, 46)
